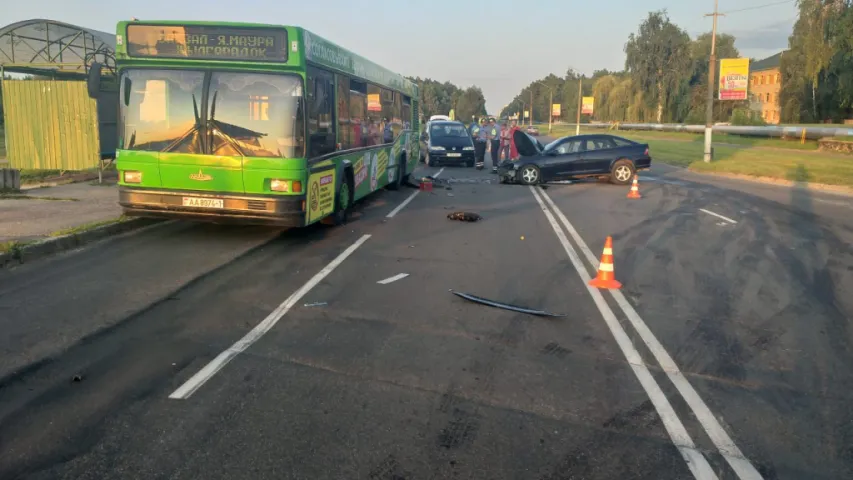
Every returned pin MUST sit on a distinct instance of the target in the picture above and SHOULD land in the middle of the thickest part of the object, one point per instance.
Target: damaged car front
(526, 169)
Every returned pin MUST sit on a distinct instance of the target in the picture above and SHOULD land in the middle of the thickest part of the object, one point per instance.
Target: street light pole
(580, 95)
(712, 81)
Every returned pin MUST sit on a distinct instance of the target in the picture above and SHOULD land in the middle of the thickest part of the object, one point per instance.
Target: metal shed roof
(49, 47)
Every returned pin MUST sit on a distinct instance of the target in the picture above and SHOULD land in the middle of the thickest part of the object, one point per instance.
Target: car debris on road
(464, 216)
(505, 306)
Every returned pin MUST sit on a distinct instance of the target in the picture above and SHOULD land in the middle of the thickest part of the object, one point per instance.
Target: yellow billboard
(587, 105)
(734, 78)
(555, 110)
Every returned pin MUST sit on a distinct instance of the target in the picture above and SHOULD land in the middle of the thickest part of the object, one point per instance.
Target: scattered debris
(522, 237)
(505, 306)
(449, 194)
(388, 280)
(464, 216)
(77, 378)
(316, 304)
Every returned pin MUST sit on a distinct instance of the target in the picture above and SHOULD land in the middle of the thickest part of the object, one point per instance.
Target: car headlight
(468, 148)
(438, 149)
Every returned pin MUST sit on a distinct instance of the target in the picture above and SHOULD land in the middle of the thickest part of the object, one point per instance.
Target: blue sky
(500, 45)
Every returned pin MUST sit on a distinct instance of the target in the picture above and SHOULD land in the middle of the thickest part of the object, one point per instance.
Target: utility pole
(580, 97)
(712, 82)
(551, 110)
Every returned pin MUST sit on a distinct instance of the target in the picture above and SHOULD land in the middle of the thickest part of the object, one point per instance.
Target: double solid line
(695, 459)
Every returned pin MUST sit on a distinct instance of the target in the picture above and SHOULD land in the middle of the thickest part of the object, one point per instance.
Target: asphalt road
(196, 351)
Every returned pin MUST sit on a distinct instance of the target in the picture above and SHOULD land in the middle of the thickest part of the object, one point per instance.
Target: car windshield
(552, 145)
(448, 130)
(253, 115)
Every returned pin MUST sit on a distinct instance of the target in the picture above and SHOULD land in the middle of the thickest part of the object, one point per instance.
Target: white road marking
(724, 443)
(696, 462)
(718, 216)
(411, 197)
(202, 376)
(209, 370)
(388, 280)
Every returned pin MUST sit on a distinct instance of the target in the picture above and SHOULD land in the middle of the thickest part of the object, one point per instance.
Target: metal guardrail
(812, 133)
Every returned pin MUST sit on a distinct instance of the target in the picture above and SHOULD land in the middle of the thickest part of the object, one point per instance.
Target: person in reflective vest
(480, 143)
(495, 139)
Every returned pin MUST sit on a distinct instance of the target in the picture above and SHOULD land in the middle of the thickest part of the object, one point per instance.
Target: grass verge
(11, 247)
(21, 196)
(735, 155)
(86, 227)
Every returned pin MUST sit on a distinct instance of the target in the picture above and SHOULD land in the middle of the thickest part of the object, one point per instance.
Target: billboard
(587, 105)
(734, 78)
(555, 110)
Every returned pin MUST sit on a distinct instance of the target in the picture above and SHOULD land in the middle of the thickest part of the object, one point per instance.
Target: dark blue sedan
(569, 158)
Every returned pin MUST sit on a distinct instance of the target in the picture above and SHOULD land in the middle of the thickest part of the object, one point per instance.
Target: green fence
(50, 125)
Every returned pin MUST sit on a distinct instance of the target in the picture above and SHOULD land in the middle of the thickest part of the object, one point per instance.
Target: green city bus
(254, 123)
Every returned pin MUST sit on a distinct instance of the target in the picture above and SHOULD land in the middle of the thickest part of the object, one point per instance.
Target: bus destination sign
(207, 42)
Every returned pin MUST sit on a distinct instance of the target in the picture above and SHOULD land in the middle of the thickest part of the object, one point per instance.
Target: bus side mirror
(93, 82)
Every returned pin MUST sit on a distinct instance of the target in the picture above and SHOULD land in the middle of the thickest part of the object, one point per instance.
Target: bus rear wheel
(399, 178)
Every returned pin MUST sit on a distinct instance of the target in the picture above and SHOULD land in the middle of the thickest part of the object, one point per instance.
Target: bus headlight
(132, 176)
(277, 185)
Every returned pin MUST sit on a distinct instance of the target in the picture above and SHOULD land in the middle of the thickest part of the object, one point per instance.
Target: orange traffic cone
(605, 278)
(635, 190)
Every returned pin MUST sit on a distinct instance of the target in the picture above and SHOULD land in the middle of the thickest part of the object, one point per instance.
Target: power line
(760, 6)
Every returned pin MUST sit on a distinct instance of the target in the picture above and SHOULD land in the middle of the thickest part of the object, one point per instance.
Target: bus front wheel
(343, 200)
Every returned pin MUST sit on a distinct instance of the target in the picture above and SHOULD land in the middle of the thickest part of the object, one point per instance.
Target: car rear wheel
(529, 175)
(622, 172)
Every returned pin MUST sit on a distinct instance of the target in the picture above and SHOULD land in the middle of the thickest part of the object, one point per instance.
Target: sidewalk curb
(50, 246)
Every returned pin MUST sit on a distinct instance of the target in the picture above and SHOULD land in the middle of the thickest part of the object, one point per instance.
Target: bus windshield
(248, 114)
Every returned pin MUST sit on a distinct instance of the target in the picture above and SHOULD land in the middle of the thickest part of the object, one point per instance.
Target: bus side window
(320, 103)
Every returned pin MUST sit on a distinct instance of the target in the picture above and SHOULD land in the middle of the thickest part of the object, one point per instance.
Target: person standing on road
(481, 142)
(506, 137)
(513, 149)
(495, 138)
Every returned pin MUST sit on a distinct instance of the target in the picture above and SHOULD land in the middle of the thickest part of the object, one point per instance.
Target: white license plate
(454, 154)
(204, 202)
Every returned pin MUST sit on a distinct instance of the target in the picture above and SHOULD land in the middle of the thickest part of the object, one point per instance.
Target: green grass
(86, 227)
(811, 168)
(21, 196)
(719, 138)
(733, 154)
(13, 246)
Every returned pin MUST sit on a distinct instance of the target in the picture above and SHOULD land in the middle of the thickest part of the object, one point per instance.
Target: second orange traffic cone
(635, 190)
(605, 277)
